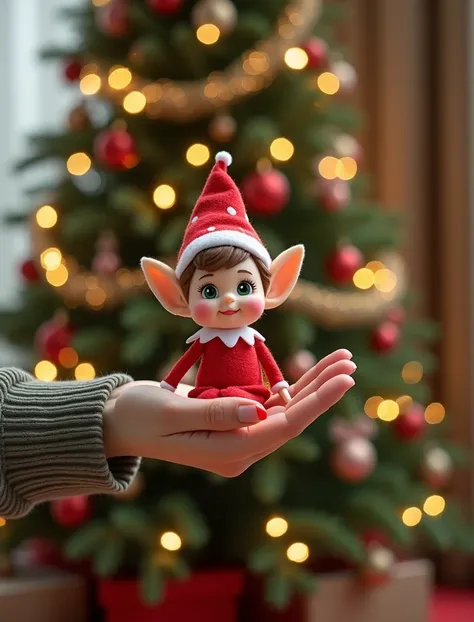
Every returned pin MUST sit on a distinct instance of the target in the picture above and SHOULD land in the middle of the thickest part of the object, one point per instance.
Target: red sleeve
(270, 366)
(181, 368)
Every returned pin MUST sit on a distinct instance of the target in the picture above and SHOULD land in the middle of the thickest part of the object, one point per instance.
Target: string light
(328, 167)
(68, 358)
(375, 266)
(99, 3)
(298, 552)
(208, 34)
(411, 517)
(328, 83)
(46, 217)
(346, 168)
(434, 505)
(364, 278)
(388, 410)
(198, 154)
(435, 413)
(78, 164)
(276, 527)
(385, 280)
(46, 371)
(134, 102)
(164, 196)
(3, 522)
(282, 149)
(58, 277)
(171, 541)
(120, 78)
(256, 64)
(96, 297)
(51, 258)
(404, 402)
(90, 84)
(371, 406)
(412, 372)
(296, 58)
(84, 371)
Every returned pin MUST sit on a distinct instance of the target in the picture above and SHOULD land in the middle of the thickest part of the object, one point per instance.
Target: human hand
(145, 420)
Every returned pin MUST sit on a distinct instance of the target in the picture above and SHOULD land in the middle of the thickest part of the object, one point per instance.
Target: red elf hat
(219, 218)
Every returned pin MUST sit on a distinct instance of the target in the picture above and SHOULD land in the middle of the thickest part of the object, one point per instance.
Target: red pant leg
(257, 393)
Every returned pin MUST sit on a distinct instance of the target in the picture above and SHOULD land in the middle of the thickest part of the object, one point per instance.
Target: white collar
(228, 336)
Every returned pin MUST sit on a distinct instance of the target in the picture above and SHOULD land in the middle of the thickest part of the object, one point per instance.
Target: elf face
(227, 298)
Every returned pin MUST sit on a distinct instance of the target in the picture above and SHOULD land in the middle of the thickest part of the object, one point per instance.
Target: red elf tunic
(231, 365)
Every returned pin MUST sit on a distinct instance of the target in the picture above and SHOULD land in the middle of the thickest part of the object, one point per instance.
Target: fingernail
(353, 365)
(251, 414)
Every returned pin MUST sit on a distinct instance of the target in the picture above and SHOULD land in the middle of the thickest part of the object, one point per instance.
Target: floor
(453, 606)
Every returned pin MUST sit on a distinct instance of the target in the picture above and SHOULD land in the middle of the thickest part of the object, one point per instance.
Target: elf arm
(181, 368)
(270, 366)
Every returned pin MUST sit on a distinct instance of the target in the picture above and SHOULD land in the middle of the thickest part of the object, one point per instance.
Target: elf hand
(142, 419)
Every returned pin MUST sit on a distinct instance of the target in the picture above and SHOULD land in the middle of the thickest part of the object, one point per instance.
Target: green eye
(244, 289)
(209, 292)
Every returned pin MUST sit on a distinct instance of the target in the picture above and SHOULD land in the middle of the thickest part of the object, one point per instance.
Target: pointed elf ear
(285, 271)
(164, 284)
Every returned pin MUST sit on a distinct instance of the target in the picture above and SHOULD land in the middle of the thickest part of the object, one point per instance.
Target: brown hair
(220, 257)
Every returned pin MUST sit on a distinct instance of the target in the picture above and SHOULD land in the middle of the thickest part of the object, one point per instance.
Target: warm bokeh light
(412, 516)
(79, 164)
(412, 372)
(90, 84)
(385, 280)
(328, 167)
(3, 522)
(296, 58)
(57, 277)
(46, 371)
(364, 278)
(84, 371)
(434, 505)
(388, 410)
(68, 358)
(164, 196)
(328, 83)
(46, 217)
(120, 78)
(282, 149)
(134, 102)
(346, 168)
(276, 527)
(171, 541)
(375, 265)
(371, 406)
(100, 2)
(198, 154)
(208, 34)
(256, 63)
(51, 258)
(435, 413)
(297, 552)
(404, 402)
(96, 297)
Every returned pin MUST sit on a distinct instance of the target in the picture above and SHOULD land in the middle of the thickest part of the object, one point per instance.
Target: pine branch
(269, 479)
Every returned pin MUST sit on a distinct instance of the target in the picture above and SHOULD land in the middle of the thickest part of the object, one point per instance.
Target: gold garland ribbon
(324, 306)
(251, 72)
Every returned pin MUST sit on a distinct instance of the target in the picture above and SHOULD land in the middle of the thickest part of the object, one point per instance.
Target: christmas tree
(162, 86)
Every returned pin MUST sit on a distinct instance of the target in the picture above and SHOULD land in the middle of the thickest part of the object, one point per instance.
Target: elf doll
(225, 280)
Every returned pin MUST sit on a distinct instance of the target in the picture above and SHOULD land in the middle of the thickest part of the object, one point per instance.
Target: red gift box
(205, 597)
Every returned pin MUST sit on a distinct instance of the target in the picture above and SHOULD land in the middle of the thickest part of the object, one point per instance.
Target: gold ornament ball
(379, 565)
(134, 490)
(221, 13)
(354, 459)
(437, 467)
(222, 128)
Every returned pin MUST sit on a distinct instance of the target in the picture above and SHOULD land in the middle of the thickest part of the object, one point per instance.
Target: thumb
(221, 414)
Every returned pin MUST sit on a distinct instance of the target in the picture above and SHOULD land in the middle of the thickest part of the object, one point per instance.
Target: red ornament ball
(112, 19)
(397, 315)
(29, 271)
(165, 7)
(72, 70)
(334, 194)
(317, 51)
(343, 263)
(409, 426)
(354, 460)
(71, 511)
(106, 263)
(51, 338)
(267, 193)
(385, 337)
(115, 149)
(39, 552)
(299, 363)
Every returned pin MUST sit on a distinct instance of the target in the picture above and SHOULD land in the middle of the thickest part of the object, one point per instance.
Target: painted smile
(230, 312)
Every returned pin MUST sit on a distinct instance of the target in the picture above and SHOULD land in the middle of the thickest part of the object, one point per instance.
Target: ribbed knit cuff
(51, 441)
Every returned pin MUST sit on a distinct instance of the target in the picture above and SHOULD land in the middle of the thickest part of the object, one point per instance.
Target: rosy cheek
(203, 312)
(253, 305)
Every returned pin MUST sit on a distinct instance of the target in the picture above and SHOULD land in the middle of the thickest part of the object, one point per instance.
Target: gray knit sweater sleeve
(51, 442)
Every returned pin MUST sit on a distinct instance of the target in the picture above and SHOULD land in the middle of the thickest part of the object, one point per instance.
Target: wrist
(115, 443)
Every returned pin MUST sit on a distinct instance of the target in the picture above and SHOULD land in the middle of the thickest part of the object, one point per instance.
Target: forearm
(52, 441)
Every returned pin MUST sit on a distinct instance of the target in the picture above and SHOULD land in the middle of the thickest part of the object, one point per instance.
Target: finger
(314, 372)
(219, 415)
(337, 369)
